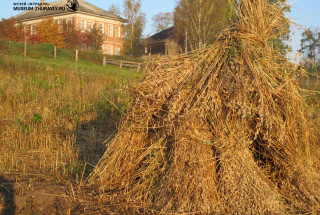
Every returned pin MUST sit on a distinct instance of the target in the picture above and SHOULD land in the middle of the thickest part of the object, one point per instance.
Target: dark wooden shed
(162, 43)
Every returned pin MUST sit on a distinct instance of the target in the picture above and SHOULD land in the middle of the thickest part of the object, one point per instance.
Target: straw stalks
(223, 131)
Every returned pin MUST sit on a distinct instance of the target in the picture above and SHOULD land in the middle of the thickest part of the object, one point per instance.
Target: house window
(91, 24)
(60, 23)
(118, 31)
(110, 50)
(117, 50)
(69, 22)
(83, 25)
(26, 29)
(110, 30)
(101, 27)
(33, 29)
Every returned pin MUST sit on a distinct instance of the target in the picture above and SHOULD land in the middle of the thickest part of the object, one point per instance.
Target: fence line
(122, 63)
(25, 47)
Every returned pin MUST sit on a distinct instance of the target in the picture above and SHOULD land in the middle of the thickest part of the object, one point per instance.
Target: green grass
(45, 51)
(56, 115)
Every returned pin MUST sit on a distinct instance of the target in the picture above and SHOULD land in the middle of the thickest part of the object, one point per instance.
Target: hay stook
(223, 130)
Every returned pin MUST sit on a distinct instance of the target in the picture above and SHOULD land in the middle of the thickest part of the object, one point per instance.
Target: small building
(162, 43)
(83, 18)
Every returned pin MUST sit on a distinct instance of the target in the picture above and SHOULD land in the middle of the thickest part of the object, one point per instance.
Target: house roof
(84, 7)
(160, 37)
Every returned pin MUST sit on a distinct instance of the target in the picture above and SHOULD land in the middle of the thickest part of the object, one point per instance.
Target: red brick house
(84, 19)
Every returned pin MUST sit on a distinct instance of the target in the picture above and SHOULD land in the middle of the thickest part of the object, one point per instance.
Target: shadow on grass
(93, 137)
(7, 203)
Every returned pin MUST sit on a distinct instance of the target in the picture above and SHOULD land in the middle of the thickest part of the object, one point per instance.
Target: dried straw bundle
(222, 131)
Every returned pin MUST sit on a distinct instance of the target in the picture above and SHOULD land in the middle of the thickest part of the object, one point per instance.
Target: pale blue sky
(304, 12)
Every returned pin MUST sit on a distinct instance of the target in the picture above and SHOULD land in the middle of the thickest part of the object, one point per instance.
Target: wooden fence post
(76, 55)
(120, 64)
(138, 68)
(55, 53)
(186, 44)
(104, 60)
(25, 47)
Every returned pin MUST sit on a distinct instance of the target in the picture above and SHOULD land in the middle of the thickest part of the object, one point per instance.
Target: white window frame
(110, 50)
(91, 24)
(33, 29)
(118, 32)
(83, 25)
(110, 30)
(118, 50)
(101, 27)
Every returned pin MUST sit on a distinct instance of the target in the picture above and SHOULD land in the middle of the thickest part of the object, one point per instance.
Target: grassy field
(56, 115)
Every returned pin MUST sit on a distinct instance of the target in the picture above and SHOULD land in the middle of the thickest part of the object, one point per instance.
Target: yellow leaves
(50, 32)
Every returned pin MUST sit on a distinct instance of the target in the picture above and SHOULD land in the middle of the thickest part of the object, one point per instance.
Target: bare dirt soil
(36, 195)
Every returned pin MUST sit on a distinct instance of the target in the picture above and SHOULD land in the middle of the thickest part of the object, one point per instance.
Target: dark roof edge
(163, 31)
(161, 36)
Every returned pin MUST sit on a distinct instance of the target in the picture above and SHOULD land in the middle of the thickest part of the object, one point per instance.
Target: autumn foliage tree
(94, 38)
(72, 37)
(11, 30)
(50, 32)
(68, 36)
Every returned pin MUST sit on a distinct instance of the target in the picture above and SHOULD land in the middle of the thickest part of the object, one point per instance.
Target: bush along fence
(76, 55)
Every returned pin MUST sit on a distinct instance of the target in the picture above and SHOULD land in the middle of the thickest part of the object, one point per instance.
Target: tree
(115, 9)
(284, 31)
(310, 44)
(162, 21)
(199, 21)
(95, 38)
(72, 37)
(133, 30)
(50, 32)
(11, 30)
(310, 48)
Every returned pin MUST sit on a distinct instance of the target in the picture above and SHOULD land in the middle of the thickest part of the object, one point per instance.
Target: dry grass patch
(54, 118)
